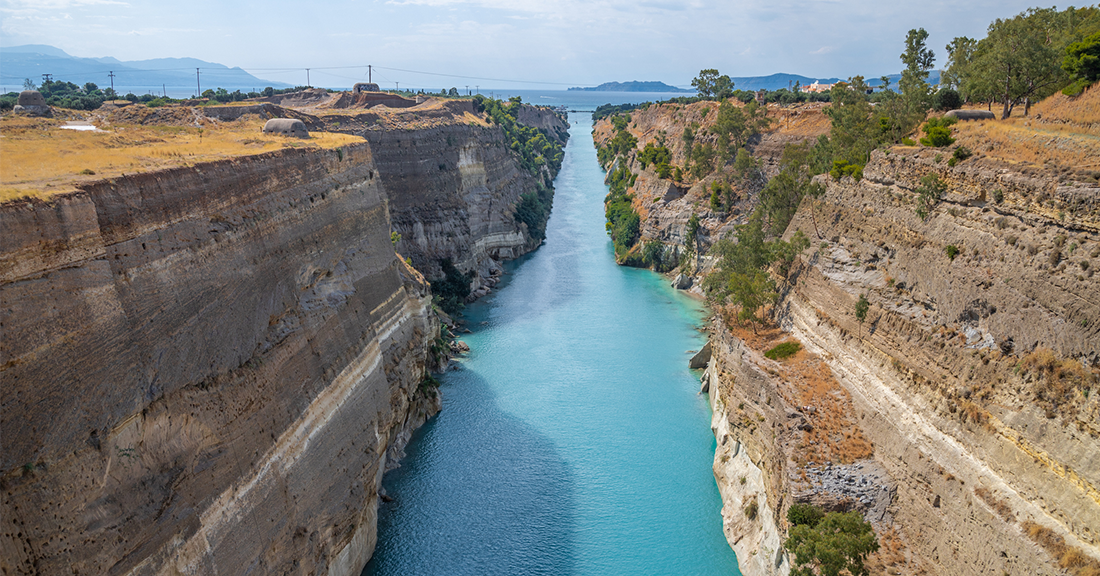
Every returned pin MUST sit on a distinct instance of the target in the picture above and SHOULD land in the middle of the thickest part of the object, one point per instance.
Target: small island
(633, 86)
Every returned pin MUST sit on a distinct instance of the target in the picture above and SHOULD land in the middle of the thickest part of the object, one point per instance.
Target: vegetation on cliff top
(1026, 58)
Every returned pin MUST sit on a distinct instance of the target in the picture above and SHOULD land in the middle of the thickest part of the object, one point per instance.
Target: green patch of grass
(784, 350)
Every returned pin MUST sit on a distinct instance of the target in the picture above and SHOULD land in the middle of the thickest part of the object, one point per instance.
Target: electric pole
(112, 75)
(46, 78)
(467, 89)
(369, 73)
(197, 85)
(398, 84)
(307, 78)
(477, 89)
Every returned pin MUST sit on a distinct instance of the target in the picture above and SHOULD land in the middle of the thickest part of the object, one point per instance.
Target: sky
(547, 44)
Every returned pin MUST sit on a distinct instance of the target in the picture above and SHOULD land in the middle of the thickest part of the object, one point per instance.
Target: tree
(710, 85)
(959, 73)
(918, 60)
(862, 305)
(28, 84)
(1019, 59)
(885, 82)
(835, 543)
(1082, 60)
(453, 92)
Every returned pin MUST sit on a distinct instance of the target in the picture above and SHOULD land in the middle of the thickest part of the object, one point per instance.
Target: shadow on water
(481, 492)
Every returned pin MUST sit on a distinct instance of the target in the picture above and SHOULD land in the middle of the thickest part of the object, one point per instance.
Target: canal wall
(208, 369)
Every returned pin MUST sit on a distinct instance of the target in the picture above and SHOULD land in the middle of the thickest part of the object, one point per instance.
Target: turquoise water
(572, 438)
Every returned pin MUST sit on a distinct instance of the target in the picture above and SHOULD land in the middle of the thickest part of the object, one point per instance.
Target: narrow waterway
(572, 439)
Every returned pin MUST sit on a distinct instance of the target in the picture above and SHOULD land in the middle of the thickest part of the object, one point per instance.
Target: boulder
(682, 282)
(700, 359)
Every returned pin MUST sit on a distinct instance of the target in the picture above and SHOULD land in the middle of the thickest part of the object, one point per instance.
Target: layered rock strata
(208, 369)
(452, 192)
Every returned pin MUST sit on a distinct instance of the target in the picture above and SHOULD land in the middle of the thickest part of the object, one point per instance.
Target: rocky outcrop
(208, 369)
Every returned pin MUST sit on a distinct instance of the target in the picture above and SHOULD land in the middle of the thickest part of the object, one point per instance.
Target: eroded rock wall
(946, 373)
(453, 189)
(204, 368)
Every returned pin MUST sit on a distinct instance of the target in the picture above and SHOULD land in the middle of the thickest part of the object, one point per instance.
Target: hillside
(634, 86)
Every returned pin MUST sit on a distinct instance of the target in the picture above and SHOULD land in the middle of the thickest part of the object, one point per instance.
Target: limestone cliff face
(208, 369)
(961, 417)
(973, 373)
(452, 192)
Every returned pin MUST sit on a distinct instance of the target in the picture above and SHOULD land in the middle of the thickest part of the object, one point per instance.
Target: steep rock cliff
(961, 418)
(208, 369)
(974, 371)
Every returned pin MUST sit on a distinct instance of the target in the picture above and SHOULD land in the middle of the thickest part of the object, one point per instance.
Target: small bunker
(32, 102)
(286, 127)
(361, 87)
(971, 115)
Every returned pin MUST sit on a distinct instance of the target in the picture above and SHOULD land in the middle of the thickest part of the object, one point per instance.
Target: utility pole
(197, 85)
(46, 78)
(398, 89)
(307, 78)
(369, 73)
(164, 89)
(477, 89)
(467, 89)
(112, 75)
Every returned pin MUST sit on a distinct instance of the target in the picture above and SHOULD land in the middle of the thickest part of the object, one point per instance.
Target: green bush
(452, 290)
(929, 193)
(938, 132)
(1076, 88)
(836, 543)
(946, 99)
(783, 350)
(843, 168)
(952, 251)
(804, 515)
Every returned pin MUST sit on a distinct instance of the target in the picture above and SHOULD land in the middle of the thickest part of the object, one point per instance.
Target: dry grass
(999, 506)
(1069, 558)
(41, 159)
(892, 556)
(1082, 109)
(1060, 385)
(1061, 136)
(807, 381)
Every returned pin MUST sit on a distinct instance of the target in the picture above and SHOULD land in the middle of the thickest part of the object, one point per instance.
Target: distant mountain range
(753, 83)
(175, 75)
(634, 86)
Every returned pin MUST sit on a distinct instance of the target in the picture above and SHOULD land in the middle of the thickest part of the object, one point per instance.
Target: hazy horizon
(508, 43)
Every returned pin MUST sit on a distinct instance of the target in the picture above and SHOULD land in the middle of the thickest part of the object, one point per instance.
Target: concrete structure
(971, 115)
(32, 102)
(361, 87)
(286, 127)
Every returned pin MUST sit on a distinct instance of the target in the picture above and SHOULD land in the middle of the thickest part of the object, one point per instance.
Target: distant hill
(634, 86)
(776, 81)
(176, 75)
